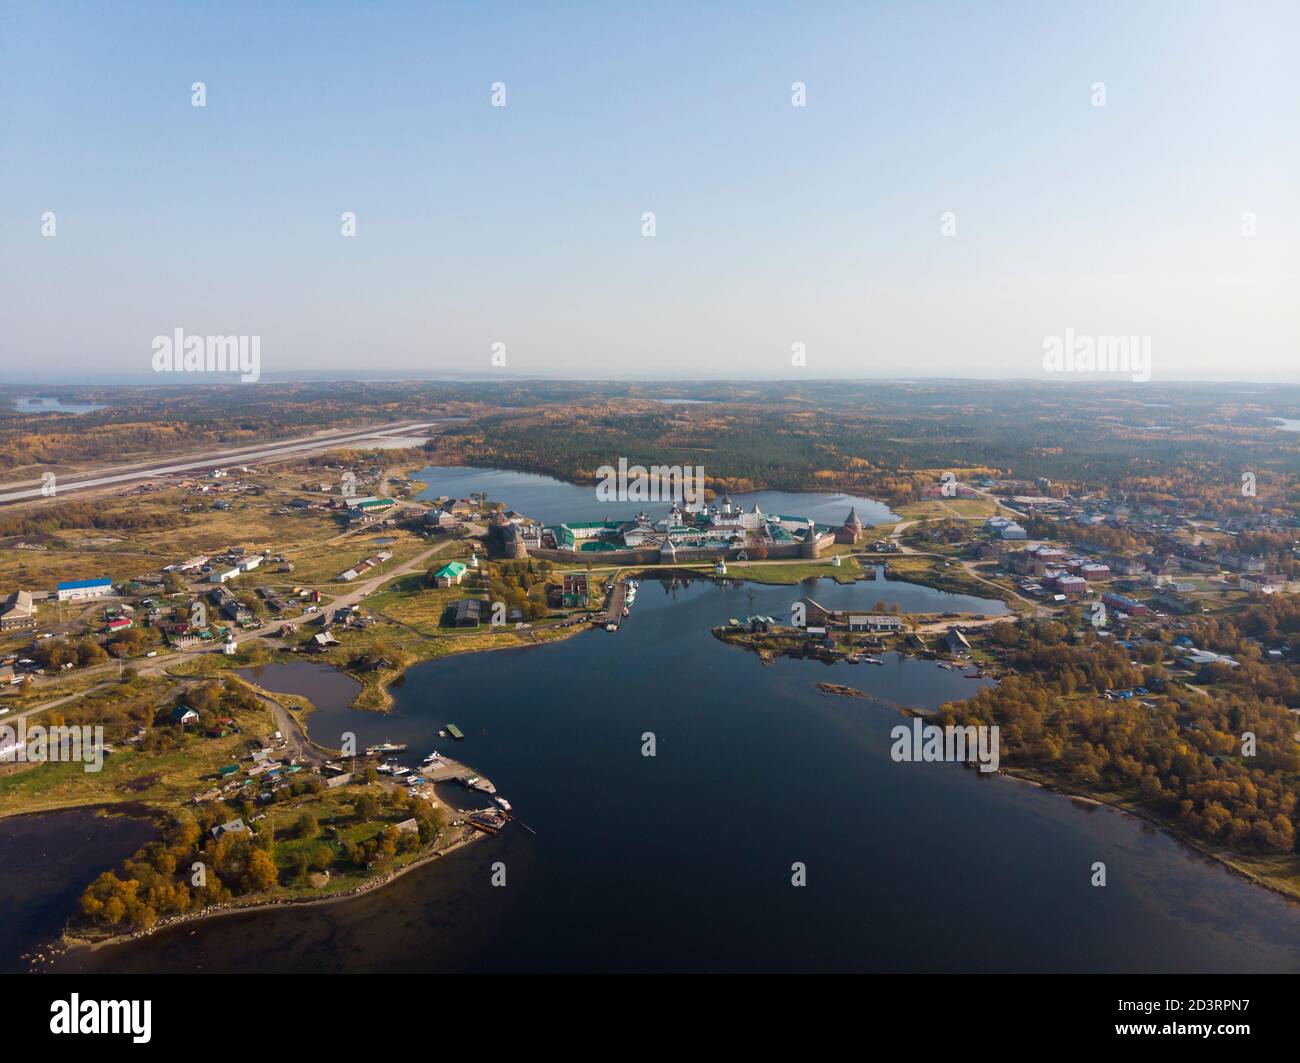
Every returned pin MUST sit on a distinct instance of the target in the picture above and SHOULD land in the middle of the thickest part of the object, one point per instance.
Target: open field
(318, 563)
(165, 779)
(951, 508)
(790, 572)
(162, 527)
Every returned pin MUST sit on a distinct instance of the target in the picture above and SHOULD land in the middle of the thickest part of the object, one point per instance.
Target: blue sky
(775, 225)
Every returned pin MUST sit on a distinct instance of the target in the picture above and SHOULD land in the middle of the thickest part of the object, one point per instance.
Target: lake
(53, 405)
(552, 501)
(682, 861)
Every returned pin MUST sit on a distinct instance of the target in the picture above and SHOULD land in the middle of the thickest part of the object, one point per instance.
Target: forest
(887, 440)
(188, 870)
(1185, 761)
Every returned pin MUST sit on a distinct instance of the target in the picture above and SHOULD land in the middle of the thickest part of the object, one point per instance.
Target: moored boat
(490, 820)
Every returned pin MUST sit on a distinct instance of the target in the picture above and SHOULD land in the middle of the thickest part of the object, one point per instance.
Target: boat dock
(444, 769)
(489, 820)
(617, 602)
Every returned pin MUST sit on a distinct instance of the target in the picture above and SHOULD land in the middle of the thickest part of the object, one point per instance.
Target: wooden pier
(617, 600)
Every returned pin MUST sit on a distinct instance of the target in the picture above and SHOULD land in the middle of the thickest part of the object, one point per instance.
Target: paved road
(144, 471)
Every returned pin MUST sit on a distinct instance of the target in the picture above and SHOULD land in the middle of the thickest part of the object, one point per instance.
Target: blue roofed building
(83, 589)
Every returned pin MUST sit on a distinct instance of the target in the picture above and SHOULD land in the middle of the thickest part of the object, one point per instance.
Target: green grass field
(951, 508)
(163, 780)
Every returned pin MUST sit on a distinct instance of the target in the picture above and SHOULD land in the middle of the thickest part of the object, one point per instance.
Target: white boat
(435, 755)
(399, 772)
(502, 803)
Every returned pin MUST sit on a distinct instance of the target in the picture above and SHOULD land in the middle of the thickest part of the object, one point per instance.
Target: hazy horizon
(954, 191)
(31, 386)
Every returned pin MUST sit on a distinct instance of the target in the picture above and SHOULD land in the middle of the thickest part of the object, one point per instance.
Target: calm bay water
(49, 859)
(682, 861)
(909, 597)
(551, 501)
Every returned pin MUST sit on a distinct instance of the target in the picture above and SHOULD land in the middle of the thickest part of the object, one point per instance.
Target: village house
(184, 716)
(18, 612)
(955, 643)
(1173, 603)
(1005, 528)
(1035, 561)
(1160, 564)
(468, 612)
(1123, 604)
(366, 510)
(450, 575)
(1235, 562)
(1195, 659)
(1264, 584)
